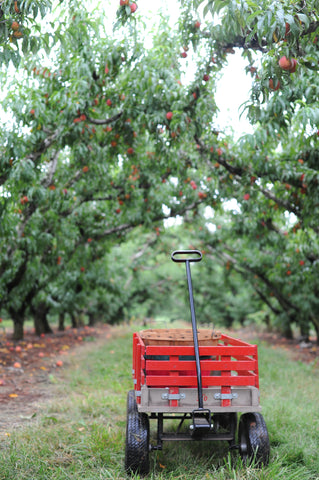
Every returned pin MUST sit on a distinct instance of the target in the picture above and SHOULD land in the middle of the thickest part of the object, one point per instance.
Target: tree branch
(106, 121)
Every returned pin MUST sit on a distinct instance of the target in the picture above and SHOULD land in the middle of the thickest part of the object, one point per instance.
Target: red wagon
(201, 378)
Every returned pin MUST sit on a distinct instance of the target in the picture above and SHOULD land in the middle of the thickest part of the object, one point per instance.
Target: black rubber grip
(175, 258)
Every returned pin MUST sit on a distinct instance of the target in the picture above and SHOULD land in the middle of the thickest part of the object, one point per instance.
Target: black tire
(131, 402)
(253, 439)
(137, 438)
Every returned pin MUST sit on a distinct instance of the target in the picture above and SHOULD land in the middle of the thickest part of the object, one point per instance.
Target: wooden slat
(188, 381)
(203, 351)
(180, 365)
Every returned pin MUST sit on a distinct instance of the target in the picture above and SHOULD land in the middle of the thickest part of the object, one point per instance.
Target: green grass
(81, 434)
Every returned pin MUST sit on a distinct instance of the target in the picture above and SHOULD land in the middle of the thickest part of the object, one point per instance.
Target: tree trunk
(91, 319)
(18, 328)
(80, 320)
(74, 321)
(305, 332)
(287, 331)
(41, 323)
(61, 322)
(315, 323)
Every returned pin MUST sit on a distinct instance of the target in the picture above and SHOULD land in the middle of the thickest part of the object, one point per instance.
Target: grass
(81, 434)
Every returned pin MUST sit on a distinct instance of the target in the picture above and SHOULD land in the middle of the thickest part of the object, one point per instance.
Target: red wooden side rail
(231, 362)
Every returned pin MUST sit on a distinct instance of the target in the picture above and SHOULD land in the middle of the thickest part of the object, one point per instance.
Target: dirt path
(306, 352)
(30, 370)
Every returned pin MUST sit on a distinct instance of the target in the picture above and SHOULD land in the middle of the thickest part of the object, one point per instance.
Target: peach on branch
(133, 7)
(293, 65)
(274, 86)
(287, 29)
(15, 26)
(285, 63)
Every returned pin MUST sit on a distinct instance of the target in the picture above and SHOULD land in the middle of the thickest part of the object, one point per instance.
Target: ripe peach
(285, 63)
(293, 65)
(15, 26)
(169, 115)
(133, 7)
(272, 85)
(287, 29)
(59, 363)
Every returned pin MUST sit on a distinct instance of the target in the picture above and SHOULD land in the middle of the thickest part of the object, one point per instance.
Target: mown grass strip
(81, 434)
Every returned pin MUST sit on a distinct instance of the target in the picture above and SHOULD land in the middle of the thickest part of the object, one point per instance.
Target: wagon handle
(192, 309)
(186, 252)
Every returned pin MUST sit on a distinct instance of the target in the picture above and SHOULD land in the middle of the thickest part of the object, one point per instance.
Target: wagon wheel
(253, 439)
(131, 402)
(137, 438)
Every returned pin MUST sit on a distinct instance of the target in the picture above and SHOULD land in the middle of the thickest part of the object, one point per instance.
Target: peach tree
(270, 236)
(21, 30)
(111, 137)
(98, 147)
